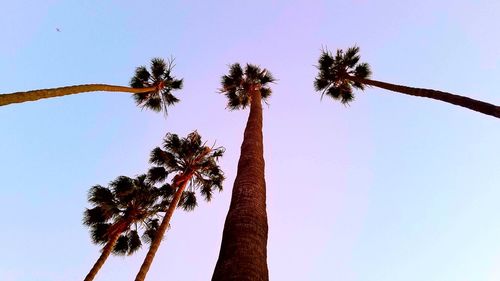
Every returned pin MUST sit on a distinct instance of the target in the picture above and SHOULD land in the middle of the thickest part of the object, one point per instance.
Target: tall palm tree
(243, 252)
(340, 73)
(152, 90)
(195, 167)
(119, 210)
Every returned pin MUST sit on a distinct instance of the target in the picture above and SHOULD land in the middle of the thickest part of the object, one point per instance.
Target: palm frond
(96, 215)
(125, 202)
(347, 97)
(121, 246)
(157, 174)
(265, 92)
(239, 83)
(176, 84)
(351, 57)
(134, 242)
(336, 76)
(123, 188)
(142, 75)
(98, 195)
(154, 103)
(158, 67)
(188, 201)
(167, 190)
(99, 233)
(266, 77)
(151, 230)
(320, 83)
(362, 70)
(160, 77)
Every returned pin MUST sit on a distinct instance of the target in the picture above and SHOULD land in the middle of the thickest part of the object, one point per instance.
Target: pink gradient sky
(389, 188)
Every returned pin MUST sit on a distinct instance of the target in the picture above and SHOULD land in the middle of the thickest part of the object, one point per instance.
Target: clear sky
(390, 188)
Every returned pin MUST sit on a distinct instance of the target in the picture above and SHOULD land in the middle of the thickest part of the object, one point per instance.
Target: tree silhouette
(119, 212)
(153, 90)
(195, 167)
(243, 252)
(339, 74)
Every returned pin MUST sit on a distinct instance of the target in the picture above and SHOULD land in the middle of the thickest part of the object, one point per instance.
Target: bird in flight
(57, 29)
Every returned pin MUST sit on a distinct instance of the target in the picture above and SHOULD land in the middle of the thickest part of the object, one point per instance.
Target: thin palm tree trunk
(155, 244)
(476, 105)
(243, 252)
(106, 251)
(18, 97)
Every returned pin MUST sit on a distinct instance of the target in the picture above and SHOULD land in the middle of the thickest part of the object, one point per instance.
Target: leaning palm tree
(243, 252)
(339, 74)
(118, 213)
(152, 90)
(195, 167)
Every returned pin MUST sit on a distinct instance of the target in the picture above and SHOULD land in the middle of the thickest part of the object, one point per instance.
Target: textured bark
(18, 97)
(155, 244)
(106, 251)
(243, 252)
(476, 105)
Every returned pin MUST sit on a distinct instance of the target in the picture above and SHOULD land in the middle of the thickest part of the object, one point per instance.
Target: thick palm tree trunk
(155, 244)
(243, 252)
(106, 251)
(19, 97)
(476, 105)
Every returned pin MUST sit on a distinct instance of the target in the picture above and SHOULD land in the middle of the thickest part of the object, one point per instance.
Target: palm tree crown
(334, 72)
(190, 158)
(195, 166)
(340, 73)
(238, 84)
(123, 206)
(161, 78)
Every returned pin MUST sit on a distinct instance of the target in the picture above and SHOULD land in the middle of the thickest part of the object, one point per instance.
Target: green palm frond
(100, 195)
(121, 246)
(160, 77)
(134, 242)
(335, 76)
(187, 155)
(238, 84)
(363, 70)
(99, 233)
(96, 215)
(206, 190)
(158, 68)
(123, 188)
(124, 203)
(167, 190)
(153, 103)
(157, 174)
(151, 230)
(188, 201)
(351, 57)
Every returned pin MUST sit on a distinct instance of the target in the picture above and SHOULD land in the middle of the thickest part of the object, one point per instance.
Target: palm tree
(340, 73)
(152, 90)
(243, 252)
(119, 210)
(195, 167)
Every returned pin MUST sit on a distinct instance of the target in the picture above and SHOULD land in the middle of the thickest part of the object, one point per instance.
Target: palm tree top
(335, 70)
(123, 206)
(184, 157)
(161, 78)
(239, 84)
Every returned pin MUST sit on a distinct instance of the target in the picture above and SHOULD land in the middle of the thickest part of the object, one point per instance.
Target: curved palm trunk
(19, 97)
(476, 105)
(243, 252)
(155, 244)
(106, 251)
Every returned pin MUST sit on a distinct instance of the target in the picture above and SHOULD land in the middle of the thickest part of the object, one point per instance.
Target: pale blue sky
(389, 188)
